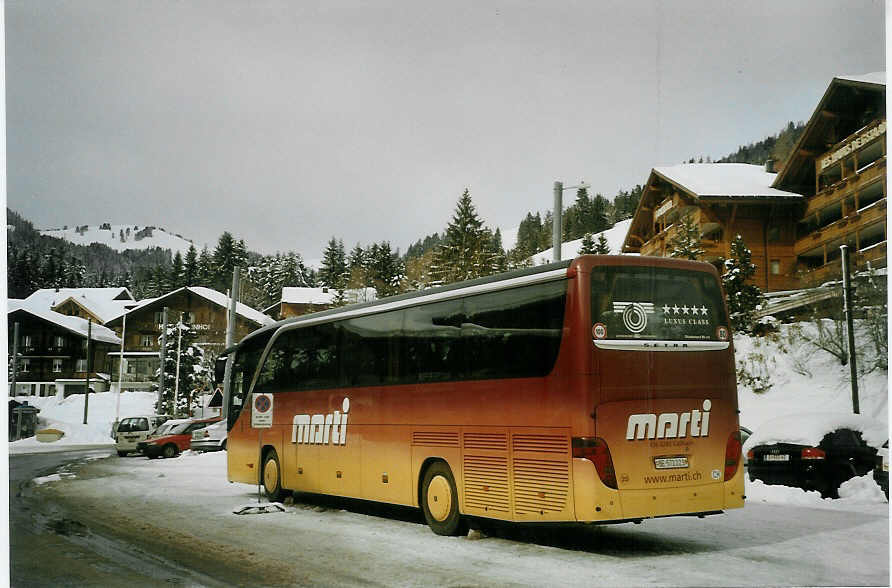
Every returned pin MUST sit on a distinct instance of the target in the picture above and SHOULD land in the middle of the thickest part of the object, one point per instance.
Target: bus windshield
(656, 303)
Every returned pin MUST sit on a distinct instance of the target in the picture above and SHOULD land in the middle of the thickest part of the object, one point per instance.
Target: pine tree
(743, 298)
(333, 270)
(685, 243)
(206, 273)
(588, 245)
(602, 248)
(387, 269)
(192, 371)
(190, 267)
(228, 255)
(465, 252)
(177, 278)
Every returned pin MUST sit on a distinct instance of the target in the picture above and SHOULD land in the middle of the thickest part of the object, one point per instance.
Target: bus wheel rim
(439, 498)
(271, 475)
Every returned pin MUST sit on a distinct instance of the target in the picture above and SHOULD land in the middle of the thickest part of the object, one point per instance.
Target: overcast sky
(287, 123)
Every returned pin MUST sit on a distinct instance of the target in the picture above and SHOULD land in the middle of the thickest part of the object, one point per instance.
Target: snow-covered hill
(121, 237)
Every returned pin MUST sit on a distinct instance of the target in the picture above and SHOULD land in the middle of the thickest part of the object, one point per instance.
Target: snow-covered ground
(67, 415)
(782, 537)
(112, 238)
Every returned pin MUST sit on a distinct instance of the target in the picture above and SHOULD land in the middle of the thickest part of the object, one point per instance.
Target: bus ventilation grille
(435, 438)
(486, 483)
(486, 441)
(541, 443)
(540, 486)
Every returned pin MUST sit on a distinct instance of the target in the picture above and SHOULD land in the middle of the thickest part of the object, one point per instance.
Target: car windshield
(132, 424)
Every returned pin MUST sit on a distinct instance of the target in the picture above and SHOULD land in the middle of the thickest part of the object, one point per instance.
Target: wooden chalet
(831, 190)
(839, 166)
(52, 351)
(98, 304)
(723, 200)
(203, 308)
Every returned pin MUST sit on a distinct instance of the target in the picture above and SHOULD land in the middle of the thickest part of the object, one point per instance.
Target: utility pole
(176, 379)
(87, 391)
(15, 357)
(120, 373)
(161, 353)
(847, 308)
(556, 218)
(230, 340)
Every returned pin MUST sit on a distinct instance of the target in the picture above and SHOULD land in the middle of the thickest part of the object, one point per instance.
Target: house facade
(831, 191)
(202, 308)
(52, 352)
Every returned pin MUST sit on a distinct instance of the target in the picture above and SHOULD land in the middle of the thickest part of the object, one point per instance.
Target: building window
(24, 365)
(146, 341)
(57, 366)
(188, 317)
(159, 317)
(58, 341)
(775, 267)
(27, 342)
(81, 365)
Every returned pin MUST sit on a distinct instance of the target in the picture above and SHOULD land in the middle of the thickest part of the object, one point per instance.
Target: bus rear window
(656, 303)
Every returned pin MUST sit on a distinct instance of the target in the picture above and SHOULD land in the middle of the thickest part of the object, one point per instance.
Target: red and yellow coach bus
(596, 390)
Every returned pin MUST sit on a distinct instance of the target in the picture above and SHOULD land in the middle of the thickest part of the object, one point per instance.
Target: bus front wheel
(272, 477)
(439, 501)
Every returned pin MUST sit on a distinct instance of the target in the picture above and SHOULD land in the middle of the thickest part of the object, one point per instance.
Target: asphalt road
(51, 547)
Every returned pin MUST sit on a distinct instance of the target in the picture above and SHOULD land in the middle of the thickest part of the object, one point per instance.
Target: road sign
(262, 411)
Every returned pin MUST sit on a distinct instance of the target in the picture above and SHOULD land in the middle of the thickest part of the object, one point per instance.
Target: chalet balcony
(842, 229)
(849, 188)
(832, 270)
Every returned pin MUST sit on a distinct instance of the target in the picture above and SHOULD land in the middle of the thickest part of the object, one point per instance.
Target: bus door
(667, 398)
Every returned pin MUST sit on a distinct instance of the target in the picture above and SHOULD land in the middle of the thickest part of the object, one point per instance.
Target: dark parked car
(813, 452)
(881, 471)
(173, 440)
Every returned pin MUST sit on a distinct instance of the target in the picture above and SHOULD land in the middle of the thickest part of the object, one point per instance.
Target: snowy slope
(112, 238)
(614, 235)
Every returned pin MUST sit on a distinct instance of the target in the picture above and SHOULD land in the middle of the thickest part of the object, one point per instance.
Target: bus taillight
(596, 451)
(732, 455)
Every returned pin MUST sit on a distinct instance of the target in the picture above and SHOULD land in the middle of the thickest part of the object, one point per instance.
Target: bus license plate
(669, 463)
(773, 457)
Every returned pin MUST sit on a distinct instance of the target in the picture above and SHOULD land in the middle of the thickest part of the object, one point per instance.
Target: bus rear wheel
(272, 477)
(439, 501)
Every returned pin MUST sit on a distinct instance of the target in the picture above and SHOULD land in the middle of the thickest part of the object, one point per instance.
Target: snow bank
(856, 492)
(67, 415)
(112, 238)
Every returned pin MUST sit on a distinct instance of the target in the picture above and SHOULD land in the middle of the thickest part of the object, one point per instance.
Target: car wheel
(122, 453)
(272, 477)
(170, 450)
(439, 501)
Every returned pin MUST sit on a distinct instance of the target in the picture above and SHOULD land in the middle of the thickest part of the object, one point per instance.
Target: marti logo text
(669, 425)
(320, 429)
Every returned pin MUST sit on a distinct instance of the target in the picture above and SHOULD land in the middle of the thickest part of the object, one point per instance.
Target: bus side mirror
(220, 369)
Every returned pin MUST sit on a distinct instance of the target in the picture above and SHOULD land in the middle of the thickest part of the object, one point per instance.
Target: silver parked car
(210, 438)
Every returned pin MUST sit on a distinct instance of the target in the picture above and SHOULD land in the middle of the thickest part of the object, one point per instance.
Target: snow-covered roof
(877, 77)
(810, 428)
(724, 180)
(217, 298)
(297, 295)
(104, 303)
(74, 324)
(324, 296)
(614, 235)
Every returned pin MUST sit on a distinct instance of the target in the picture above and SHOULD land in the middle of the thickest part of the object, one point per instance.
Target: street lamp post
(556, 215)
